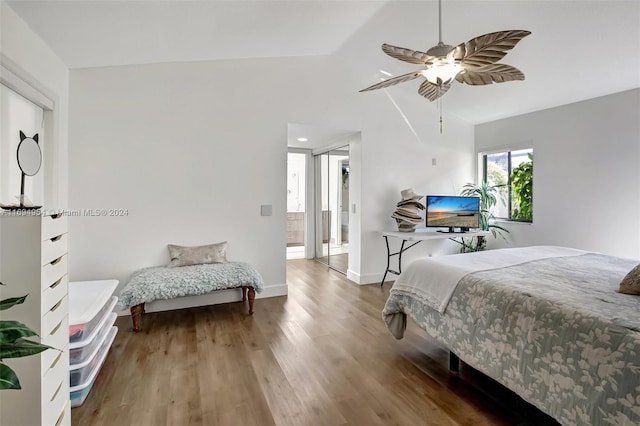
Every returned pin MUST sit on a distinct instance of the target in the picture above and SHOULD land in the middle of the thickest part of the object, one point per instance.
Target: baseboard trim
(366, 278)
(213, 298)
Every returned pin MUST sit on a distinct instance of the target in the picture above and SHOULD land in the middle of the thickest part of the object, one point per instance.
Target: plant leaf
(408, 55)
(433, 91)
(493, 73)
(393, 81)
(21, 348)
(10, 331)
(488, 48)
(8, 378)
(7, 303)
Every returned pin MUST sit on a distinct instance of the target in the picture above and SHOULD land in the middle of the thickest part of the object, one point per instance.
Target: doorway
(332, 208)
(296, 204)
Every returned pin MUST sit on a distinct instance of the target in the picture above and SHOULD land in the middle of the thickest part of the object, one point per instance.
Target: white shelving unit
(33, 261)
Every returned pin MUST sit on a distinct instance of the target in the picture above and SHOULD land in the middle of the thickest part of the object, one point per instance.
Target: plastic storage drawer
(79, 393)
(82, 332)
(88, 303)
(78, 373)
(81, 351)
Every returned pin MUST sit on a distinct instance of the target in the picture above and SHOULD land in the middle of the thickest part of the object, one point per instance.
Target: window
(511, 172)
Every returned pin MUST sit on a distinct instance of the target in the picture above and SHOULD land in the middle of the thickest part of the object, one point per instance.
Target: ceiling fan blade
(492, 73)
(433, 91)
(407, 55)
(393, 81)
(488, 48)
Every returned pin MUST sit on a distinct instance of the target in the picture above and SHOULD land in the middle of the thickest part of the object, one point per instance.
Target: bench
(164, 283)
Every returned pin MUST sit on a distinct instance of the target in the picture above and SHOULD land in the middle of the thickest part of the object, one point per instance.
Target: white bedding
(443, 273)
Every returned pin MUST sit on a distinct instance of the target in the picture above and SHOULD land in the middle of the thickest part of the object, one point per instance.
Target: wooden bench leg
(136, 316)
(244, 293)
(252, 297)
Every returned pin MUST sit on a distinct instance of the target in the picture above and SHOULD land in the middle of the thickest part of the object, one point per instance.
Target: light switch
(266, 210)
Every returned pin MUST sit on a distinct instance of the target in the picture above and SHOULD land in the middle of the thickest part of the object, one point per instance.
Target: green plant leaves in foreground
(10, 331)
(7, 303)
(8, 378)
(20, 348)
(13, 344)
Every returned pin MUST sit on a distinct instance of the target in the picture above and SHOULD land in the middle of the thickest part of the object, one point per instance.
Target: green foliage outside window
(522, 191)
(496, 175)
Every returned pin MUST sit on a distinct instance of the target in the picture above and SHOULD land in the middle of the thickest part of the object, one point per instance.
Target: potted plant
(488, 199)
(13, 344)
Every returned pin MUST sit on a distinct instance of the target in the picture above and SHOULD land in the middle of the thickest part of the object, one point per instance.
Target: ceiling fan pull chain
(440, 109)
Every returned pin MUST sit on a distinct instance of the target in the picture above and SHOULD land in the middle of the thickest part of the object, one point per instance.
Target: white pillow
(185, 256)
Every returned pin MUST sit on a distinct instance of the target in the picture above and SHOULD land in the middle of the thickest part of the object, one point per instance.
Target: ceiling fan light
(443, 71)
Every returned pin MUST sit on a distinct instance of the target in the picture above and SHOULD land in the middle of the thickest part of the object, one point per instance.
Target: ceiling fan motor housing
(440, 49)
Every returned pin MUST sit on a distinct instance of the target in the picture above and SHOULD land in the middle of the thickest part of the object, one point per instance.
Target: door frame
(309, 222)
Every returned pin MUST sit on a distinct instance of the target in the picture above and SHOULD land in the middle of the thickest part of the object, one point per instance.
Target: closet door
(332, 208)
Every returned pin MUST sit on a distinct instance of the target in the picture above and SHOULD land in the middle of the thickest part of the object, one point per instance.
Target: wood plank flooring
(320, 356)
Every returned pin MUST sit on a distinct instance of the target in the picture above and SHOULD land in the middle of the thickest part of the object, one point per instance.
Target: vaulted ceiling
(577, 50)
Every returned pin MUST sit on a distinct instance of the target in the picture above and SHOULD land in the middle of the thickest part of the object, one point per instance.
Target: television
(452, 212)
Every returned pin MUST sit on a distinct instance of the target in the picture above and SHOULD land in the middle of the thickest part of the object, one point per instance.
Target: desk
(417, 237)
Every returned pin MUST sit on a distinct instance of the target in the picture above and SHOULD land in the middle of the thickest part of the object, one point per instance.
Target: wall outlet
(434, 161)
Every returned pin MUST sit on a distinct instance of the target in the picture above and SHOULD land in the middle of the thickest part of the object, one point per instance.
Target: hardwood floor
(320, 356)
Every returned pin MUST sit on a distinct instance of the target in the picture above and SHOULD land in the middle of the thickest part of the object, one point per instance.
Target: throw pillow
(631, 282)
(185, 256)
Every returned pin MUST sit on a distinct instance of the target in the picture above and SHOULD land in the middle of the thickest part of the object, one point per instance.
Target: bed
(546, 322)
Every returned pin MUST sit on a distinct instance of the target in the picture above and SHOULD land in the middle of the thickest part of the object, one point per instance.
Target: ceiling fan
(473, 62)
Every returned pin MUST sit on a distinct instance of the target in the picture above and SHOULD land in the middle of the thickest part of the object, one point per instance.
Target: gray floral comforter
(555, 331)
(161, 283)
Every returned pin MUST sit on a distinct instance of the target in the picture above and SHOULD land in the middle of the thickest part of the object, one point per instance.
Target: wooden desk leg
(252, 297)
(136, 317)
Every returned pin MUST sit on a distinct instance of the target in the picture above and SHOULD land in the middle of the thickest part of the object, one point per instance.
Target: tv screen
(453, 212)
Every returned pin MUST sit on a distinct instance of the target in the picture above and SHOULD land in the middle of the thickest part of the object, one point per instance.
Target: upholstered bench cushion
(162, 283)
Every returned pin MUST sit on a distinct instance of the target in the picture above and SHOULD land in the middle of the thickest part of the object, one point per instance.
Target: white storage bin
(78, 373)
(82, 350)
(88, 330)
(79, 393)
(87, 297)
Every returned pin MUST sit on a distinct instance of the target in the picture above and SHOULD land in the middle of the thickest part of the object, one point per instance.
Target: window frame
(484, 171)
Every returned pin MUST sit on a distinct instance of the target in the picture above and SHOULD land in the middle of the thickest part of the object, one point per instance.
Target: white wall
(586, 191)
(191, 150)
(24, 54)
